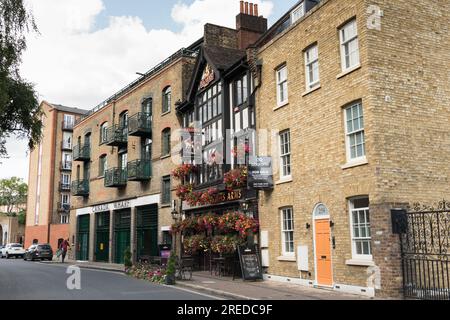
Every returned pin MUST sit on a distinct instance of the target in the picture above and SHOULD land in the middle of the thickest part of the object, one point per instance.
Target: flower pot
(170, 279)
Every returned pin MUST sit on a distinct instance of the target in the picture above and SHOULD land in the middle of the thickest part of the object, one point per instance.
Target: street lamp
(176, 217)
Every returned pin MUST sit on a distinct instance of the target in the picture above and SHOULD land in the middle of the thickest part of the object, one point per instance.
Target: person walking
(63, 247)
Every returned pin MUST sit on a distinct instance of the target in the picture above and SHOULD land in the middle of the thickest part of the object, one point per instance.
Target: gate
(122, 224)
(425, 250)
(82, 250)
(102, 237)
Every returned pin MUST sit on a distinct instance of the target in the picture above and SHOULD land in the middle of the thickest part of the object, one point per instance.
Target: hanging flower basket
(183, 171)
(236, 178)
(196, 243)
(225, 244)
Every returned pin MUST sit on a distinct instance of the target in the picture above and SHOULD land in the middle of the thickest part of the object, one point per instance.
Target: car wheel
(24, 258)
(7, 255)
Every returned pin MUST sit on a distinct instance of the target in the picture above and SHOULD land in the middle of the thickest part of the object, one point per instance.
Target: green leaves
(13, 195)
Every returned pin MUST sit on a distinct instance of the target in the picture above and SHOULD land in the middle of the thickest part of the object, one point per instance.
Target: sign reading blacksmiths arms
(207, 77)
(260, 173)
(219, 198)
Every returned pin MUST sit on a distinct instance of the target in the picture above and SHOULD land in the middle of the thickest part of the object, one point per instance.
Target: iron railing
(63, 207)
(140, 124)
(66, 165)
(115, 178)
(80, 188)
(139, 170)
(116, 135)
(82, 153)
(64, 186)
(67, 126)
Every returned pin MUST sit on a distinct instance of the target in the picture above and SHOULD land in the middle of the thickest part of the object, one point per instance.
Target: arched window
(102, 165)
(103, 132)
(166, 99)
(165, 142)
(123, 122)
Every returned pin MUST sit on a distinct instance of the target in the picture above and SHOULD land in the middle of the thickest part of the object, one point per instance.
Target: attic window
(298, 13)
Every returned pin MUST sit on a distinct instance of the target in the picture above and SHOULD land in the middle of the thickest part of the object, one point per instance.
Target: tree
(19, 105)
(13, 194)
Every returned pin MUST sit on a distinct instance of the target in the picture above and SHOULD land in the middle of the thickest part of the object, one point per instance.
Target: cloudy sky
(89, 49)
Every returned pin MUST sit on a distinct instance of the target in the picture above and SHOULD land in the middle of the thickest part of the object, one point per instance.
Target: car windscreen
(44, 247)
(16, 246)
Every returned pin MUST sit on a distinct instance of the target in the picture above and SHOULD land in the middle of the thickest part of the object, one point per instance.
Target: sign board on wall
(260, 173)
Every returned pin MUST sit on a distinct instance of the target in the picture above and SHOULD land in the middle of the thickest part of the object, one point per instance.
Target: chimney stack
(249, 25)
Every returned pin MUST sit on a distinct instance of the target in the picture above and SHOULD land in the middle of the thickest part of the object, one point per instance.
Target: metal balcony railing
(67, 126)
(82, 153)
(115, 178)
(80, 188)
(116, 136)
(64, 186)
(139, 170)
(63, 207)
(140, 125)
(66, 165)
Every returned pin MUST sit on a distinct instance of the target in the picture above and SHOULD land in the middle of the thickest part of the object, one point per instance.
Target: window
(65, 201)
(102, 165)
(67, 140)
(287, 232)
(167, 99)
(354, 126)
(282, 86)
(240, 90)
(298, 12)
(360, 224)
(104, 133)
(64, 218)
(209, 103)
(165, 199)
(123, 123)
(348, 36)
(285, 154)
(165, 142)
(312, 67)
(68, 121)
(65, 181)
(166, 237)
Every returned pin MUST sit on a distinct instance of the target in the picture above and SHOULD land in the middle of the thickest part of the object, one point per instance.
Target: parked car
(13, 250)
(39, 252)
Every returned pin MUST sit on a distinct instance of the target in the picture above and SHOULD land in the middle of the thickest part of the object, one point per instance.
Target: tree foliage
(13, 194)
(19, 106)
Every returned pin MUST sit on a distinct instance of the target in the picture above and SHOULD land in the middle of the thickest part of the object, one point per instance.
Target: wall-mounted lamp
(308, 226)
(331, 223)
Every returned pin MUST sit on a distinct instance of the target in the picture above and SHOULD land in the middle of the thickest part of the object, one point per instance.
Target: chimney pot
(242, 6)
(251, 9)
(246, 7)
(256, 10)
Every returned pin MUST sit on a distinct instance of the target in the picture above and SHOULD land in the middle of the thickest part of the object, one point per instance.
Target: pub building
(218, 119)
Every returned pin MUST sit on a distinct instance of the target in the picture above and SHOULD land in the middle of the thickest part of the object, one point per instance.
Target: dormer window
(298, 13)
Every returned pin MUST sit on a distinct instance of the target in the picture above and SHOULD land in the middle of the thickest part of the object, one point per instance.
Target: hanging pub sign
(207, 77)
(251, 267)
(260, 173)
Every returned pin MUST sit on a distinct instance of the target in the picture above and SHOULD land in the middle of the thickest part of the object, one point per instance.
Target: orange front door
(323, 253)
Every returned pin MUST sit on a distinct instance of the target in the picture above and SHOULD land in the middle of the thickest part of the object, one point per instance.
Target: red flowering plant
(227, 222)
(235, 178)
(196, 243)
(225, 244)
(193, 198)
(183, 171)
(183, 190)
(246, 224)
(207, 222)
(208, 196)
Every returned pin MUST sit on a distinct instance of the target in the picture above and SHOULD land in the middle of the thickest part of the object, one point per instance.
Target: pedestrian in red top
(64, 246)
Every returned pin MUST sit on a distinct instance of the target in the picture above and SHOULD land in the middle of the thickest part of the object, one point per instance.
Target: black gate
(425, 250)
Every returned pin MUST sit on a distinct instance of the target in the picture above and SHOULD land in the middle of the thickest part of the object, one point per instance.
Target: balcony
(65, 146)
(115, 178)
(63, 207)
(67, 126)
(116, 136)
(80, 188)
(139, 170)
(64, 186)
(66, 165)
(140, 125)
(82, 153)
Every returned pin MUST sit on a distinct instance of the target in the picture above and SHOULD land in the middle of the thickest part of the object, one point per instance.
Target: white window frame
(69, 119)
(312, 63)
(355, 255)
(298, 13)
(346, 43)
(103, 132)
(64, 219)
(282, 85)
(284, 155)
(285, 231)
(349, 134)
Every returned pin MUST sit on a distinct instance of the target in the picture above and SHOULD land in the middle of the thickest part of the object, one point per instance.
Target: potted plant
(171, 269)
(127, 259)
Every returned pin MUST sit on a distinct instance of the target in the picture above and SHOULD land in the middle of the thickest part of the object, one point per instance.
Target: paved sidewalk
(90, 265)
(261, 290)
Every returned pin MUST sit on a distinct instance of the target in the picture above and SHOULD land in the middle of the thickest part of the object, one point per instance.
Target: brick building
(357, 95)
(48, 203)
(122, 167)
